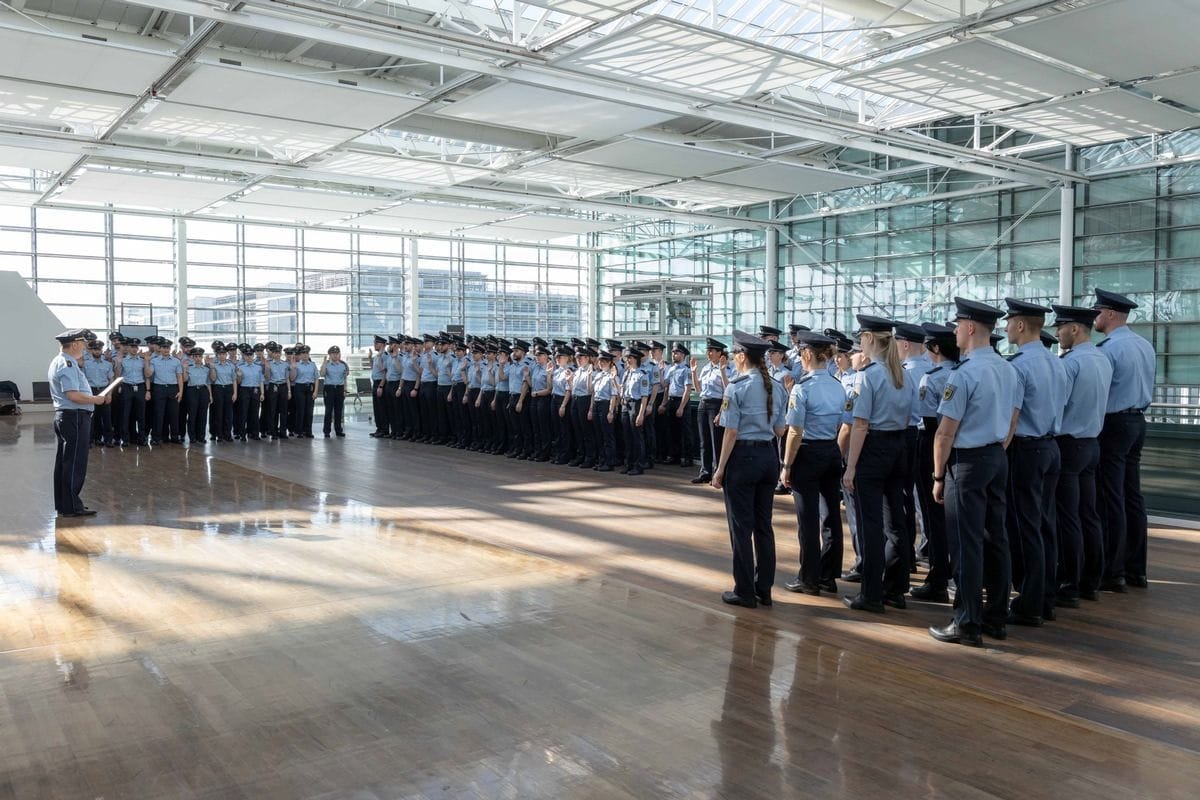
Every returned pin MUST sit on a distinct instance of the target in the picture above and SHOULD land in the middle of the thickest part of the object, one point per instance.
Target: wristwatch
(939, 479)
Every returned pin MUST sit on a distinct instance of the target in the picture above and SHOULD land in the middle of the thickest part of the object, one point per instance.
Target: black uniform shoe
(781, 489)
(687, 463)
(1066, 601)
(930, 594)
(1090, 594)
(829, 585)
(1138, 581)
(895, 601)
(635, 471)
(860, 603)
(604, 468)
(1024, 619)
(327, 436)
(852, 576)
(735, 599)
(952, 634)
(1116, 585)
(1049, 615)
(703, 477)
(800, 587)
(763, 599)
(993, 630)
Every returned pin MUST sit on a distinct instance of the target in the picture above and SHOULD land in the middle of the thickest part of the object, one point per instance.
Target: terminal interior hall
(383, 382)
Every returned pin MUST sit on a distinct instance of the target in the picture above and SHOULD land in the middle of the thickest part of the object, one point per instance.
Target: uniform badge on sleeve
(850, 402)
(949, 391)
(792, 403)
(922, 393)
(725, 404)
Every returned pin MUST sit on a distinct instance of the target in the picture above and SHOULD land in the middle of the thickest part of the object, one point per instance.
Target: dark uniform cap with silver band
(1023, 308)
(749, 344)
(1047, 339)
(907, 332)
(813, 339)
(768, 330)
(976, 311)
(680, 347)
(777, 347)
(934, 332)
(95, 344)
(1065, 315)
(871, 324)
(614, 344)
(1117, 302)
(520, 344)
(604, 355)
(655, 344)
(795, 328)
(541, 350)
(563, 350)
(714, 344)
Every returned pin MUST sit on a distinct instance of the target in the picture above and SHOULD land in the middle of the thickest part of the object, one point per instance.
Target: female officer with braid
(751, 416)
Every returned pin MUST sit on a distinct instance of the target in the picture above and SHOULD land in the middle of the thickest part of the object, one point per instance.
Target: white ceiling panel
(583, 180)
(85, 111)
(968, 77)
(667, 53)
(304, 216)
(1122, 39)
(790, 179)
(28, 158)
(595, 10)
(1183, 89)
(431, 173)
(390, 223)
(290, 98)
(1107, 116)
(286, 140)
(515, 105)
(78, 62)
(13, 198)
(313, 199)
(459, 216)
(708, 194)
(544, 226)
(139, 190)
(678, 161)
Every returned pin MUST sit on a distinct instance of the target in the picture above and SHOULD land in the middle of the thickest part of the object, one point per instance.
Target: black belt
(1126, 411)
(72, 411)
(198, 387)
(976, 449)
(755, 443)
(817, 441)
(1034, 438)
(301, 384)
(335, 386)
(710, 399)
(97, 389)
(874, 432)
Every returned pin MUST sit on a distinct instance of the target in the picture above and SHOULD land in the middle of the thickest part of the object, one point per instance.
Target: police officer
(304, 390)
(751, 418)
(519, 420)
(278, 376)
(486, 397)
(166, 393)
(132, 394)
(1088, 377)
(501, 430)
(812, 464)
(460, 423)
(198, 394)
(1032, 457)
(635, 395)
(582, 430)
(979, 414)
(334, 374)
(880, 405)
(1121, 441)
(427, 390)
(99, 373)
(910, 346)
(73, 404)
(943, 351)
(474, 370)
(223, 384)
(248, 395)
(709, 382)
(678, 408)
(653, 367)
(562, 381)
(604, 411)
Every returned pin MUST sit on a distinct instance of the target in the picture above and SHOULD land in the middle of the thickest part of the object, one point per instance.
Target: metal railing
(1176, 405)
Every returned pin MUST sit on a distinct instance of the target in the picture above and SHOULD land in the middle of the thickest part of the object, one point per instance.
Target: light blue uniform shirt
(460, 365)
(711, 385)
(602, 386)
(226, 371)
(778, 373)
(197, 376)
(445, 369)
(562, 379)
(516, 372)
(133, 369)
(1089, 379)
(98, 371)
(251, 374)
(979, 395)
(914, 368)
(877, 400)
(277, 372)
(539, 378)
(427, 367)
(581, 385)
(391, 367)
(336, 372)
(815, 405)
(378, 368)
(473, 369)
(653, 371)
(408, 367)
(1038, 389)
(679, 380)
(635, 385)
(487, 375)
(929, 392)
(166, 368)
(745, 408)
(1132, 360)
(306, 372)
(65, 375)
(500, 375)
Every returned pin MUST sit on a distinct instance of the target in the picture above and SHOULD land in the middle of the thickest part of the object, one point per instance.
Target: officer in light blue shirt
(73, 403)
(709, 382)
(970, 474)
(197, 396)
(304, 391)
(249, 396)
(1032, 464)
(166, 392)
(910, 344)
(1121, 441)
(752, 411)
(1088, 374)
(635, 396)
(99, 373)
(334, 374)
(379, 400)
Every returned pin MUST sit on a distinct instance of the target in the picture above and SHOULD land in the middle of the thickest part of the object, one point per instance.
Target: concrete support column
(1066, 234)
(771, 277)
(412, 303)
(181, 277)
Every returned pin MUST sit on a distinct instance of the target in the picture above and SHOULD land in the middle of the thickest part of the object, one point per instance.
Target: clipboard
(117, 381)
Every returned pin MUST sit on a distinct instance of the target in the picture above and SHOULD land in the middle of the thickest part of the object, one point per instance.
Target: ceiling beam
(356, 29)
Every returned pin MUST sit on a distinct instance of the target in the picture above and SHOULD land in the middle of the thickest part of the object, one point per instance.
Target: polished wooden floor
(361, 619)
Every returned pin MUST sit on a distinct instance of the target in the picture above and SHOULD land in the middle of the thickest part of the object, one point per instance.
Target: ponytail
(768, 381)
(889, 356)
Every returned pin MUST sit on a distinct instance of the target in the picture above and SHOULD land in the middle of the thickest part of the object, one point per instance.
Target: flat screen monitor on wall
(137, 331)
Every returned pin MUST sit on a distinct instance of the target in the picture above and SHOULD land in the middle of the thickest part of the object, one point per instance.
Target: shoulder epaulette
(1101, 344)
(1014, 355)
(868, 366)
(956, 366)
(935, 369)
